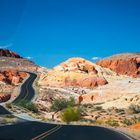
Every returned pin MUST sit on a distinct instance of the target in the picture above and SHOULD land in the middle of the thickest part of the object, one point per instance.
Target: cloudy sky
(50, 31)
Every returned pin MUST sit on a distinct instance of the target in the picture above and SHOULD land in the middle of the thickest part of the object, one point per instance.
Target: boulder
(12, 76)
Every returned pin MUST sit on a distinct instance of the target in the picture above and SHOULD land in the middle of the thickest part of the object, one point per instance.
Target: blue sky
(50, 31)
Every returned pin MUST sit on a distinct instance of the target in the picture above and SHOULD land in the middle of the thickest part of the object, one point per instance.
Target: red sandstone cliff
(125, 64)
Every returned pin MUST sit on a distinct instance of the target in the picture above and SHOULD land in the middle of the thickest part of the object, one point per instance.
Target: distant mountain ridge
(11, 60)
(122, 64)
(123, 56)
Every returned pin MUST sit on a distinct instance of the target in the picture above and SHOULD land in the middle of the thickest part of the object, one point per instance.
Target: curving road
(27, 91)
(43, 131)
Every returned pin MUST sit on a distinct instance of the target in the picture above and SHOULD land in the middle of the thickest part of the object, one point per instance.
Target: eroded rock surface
(7, 53)
(76, 72)
(12, 77)
(125, 64)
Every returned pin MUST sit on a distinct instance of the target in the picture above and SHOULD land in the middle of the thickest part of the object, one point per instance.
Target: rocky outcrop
(77, 65)
(124, 64)
(4, 97)
(11, 60)
(76, 72)
(12, 77)
(93, 82)
(7, 53)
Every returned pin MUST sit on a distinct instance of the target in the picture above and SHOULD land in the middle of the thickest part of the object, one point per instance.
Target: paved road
(27, 91)
(42, 131)
(4, 111)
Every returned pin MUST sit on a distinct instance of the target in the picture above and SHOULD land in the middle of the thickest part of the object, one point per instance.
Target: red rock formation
(136, 126)
(4, 97)
(125, 64)
(1, 77)
(75, 72)
(92, 82)
(7, 53)
(12, 76)
(77, 65)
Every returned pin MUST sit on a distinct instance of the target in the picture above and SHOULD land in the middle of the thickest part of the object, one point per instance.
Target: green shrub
(135, 120)
(8, 105)
(70, 114)
(9, 116)
(28, 105)
(113, 123)
(131, 120)
(134, 108)
(62, 103)
(127, 122)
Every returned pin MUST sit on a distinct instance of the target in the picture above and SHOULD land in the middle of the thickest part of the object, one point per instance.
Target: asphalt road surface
(43, 131)
(30, 130)
(4, 111)
(27, 91)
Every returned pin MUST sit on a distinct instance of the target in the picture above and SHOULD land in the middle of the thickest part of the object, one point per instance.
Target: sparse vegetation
(62, 103)
(98, 108)
(71, 114)
(131, 121)
(28, 105)
(134, 108)
(8, 105)
(127, 122)
(113, 123)
(9, 116)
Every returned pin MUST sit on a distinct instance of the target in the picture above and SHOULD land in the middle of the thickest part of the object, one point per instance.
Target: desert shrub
(131, 120)
(62, 103)
(71, 101)
(28, 105)
(87, 120)
(135, 120)
(98, 108)
(127, 122)
(113, 123)
(134, 108)
(119, 110)
(70, 114)
(88, 105)
(8, 105)
(9, 116)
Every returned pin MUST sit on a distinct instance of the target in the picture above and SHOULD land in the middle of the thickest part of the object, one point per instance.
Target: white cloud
(96, 58)
(29, 57)
(6, 46)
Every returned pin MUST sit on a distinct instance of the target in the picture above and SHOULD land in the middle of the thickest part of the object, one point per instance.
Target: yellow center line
(49, 133)
(46, 133)
(27, 88)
